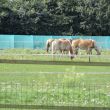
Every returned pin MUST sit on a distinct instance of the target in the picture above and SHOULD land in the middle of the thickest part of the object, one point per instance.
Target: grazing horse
(49, 44)
(87, 45)
(62, 45)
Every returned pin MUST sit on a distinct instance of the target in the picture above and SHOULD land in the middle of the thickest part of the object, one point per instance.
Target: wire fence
(48, 95)
(53, 57)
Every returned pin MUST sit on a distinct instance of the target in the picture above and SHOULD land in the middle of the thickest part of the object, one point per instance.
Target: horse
(62, 45)
(49, 44)
(87, 45)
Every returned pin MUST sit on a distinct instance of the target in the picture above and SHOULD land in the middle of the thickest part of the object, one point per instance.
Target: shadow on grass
(55, 62)
(51, 107)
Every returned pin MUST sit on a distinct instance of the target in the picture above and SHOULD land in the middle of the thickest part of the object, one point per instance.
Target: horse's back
(75, 42)
(87, 43)
(61, 44)
(83, 43)
(65, 43)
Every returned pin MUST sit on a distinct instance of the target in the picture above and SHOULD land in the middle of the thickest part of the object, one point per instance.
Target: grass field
(55, 89)
(30, 72)
(32, 80)
(23, 84)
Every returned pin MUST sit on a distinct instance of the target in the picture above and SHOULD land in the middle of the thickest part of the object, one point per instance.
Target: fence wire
(53, 57)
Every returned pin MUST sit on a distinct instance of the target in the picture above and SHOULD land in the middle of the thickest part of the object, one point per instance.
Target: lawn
(40, 80)
(27, 84)
(38, 72)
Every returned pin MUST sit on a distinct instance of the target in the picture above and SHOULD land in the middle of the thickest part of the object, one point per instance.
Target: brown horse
(87, 45)
(62, 45)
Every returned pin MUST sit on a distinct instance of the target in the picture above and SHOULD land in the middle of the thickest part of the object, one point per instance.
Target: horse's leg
(89, 53)
(76, 51)
(61, 53)
(52, 54)
(64, 53)
(53, 51)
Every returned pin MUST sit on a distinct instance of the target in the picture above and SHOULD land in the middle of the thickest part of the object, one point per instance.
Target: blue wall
(33, 42)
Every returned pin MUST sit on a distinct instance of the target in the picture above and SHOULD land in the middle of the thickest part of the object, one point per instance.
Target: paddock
(54, 84)
(31, 79)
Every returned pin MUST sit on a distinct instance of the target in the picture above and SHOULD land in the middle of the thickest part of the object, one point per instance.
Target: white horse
(62, 45)
(49, 45)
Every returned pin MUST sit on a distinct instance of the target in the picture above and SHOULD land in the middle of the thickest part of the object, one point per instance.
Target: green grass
(29, 72)
(50, 93)
(51, 67)
(21, 82)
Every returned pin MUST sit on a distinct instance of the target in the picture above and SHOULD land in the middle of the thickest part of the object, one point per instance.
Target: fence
(33, 42)
(33, 58)
(55, 96)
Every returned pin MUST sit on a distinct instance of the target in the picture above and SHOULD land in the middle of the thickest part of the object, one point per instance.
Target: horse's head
(70, 40)
(98, 51)
(72, 56)
(71, 52)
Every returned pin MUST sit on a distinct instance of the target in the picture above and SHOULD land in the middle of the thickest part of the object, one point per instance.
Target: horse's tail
(47, 46)
(93, 44)
(96, 47)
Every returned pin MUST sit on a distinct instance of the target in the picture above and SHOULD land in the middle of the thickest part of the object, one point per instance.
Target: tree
(55, 17)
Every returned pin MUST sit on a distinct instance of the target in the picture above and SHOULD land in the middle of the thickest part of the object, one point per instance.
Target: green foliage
(55, 17)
